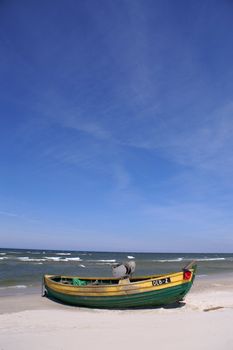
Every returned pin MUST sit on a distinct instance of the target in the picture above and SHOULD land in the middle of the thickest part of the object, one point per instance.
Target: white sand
(32, 322)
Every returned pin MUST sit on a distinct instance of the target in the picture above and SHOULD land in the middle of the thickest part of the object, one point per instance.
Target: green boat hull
(140, 300)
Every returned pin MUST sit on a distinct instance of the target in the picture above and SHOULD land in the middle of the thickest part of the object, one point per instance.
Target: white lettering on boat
(161, 281)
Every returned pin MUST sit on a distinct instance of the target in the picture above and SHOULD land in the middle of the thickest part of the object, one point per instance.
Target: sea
(23, 269)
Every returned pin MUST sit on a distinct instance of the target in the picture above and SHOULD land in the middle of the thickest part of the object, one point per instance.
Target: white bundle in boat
(123, 270)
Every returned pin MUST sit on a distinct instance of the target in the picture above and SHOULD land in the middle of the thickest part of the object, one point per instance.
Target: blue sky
(116, 125)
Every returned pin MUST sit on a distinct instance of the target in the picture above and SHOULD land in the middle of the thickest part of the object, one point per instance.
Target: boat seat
(124, 281)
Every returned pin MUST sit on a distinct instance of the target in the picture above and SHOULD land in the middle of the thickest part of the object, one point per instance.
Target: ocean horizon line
(115, 251)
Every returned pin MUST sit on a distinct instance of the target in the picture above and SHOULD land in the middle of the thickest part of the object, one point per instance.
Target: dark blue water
(23, 268)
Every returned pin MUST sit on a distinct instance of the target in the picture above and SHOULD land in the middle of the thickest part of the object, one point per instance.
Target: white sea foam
(101, 261)
(61, 259)
(73, 259)
(130, 257)
(18, 286)
(82, 266)
(63, 253)
(210, 259)
(169, 260)
(46, 258)
(107, 261)
(26, 259)
(53, 258)
(3, 257)
(2, 253)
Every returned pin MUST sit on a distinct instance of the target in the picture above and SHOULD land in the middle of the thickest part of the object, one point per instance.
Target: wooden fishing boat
(135, 292)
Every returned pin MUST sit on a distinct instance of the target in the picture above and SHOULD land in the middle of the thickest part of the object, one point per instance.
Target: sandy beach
(203, 321)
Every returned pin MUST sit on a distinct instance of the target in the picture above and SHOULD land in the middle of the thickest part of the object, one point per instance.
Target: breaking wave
(46, 258)
(169, 260)
(26, 258)
(63, 253)
(210, 259)
(18, 286)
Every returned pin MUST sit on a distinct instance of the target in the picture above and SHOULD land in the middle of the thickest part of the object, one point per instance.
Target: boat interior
(79, 281)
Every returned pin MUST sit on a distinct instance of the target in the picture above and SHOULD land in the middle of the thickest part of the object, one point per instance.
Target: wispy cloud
(130, 99)
(17, 216)
(199, 224)
(7, 213)
(206, 145)
(189, 214)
